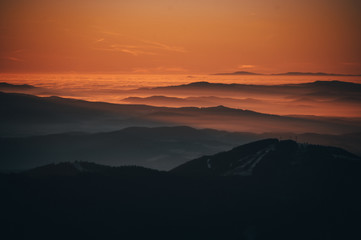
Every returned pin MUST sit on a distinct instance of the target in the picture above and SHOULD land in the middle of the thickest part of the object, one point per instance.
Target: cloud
(18, 51)
(129, 49)
(160, 70)
(246, 66)
(163, 46)
(14, 59)
(135, 52)
(119, 43)
(99, 40)
(111, 33)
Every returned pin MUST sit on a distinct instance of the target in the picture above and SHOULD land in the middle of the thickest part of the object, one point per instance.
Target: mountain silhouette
(314, 74)
(308, 87)
(7, 86)
(329, 89)
(268, 156)
(67, 169)
(25, 88)
(239, 73)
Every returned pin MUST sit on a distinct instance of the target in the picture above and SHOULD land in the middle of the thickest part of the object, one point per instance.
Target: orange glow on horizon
(144, 89)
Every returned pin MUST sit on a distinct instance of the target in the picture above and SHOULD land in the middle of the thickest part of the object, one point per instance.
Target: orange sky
(180, 36)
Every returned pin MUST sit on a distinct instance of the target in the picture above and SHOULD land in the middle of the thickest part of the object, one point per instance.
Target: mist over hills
(328, 88)
(7, 86)
(30, 115)
(158, 148)
(289, 106)
(325, 98)
(99, 132)
(25, 115)
(24, 88)
(208, 101)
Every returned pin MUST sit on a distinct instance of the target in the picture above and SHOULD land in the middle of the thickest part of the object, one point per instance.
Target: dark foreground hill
(288, 191)
(271, 157)
(72, 169)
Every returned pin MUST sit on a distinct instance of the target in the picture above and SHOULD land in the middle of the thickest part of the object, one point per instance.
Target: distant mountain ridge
(239, 73)
(290, 74)
(316, 74)
(8, 86)
(296, 88)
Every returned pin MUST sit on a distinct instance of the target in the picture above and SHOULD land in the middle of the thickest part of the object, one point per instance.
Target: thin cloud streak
(116, 42)
(163, 46)
(14, 59)
(129, 49)
(246, 66)
(159, 70)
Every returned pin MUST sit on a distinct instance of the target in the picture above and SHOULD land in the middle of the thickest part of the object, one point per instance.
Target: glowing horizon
(182, 37)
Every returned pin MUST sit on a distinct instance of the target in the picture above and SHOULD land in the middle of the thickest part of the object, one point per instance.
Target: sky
(180, 36)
